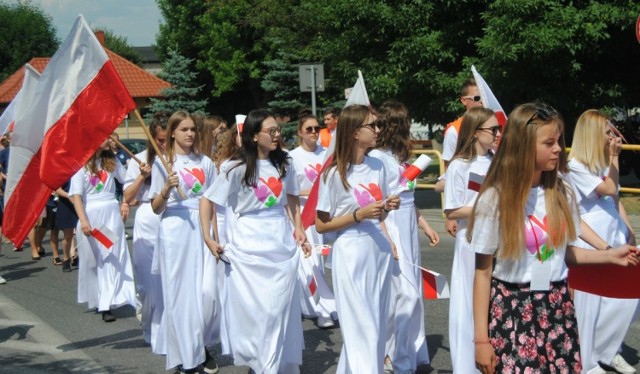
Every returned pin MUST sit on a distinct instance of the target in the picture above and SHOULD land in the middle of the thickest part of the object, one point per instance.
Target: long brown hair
(172, 125)
(511, 173)
(209, 123)
(471, 121)
(351, 118)
(226, 146)
(107, 161)
(395, 129)
(159, 122)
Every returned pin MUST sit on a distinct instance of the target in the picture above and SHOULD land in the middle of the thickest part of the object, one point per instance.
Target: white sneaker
(324, 322)
(2, 280)
(621, 365)
(597, 370)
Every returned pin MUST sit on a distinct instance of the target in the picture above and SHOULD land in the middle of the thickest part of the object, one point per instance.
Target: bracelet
(355, 217)
(608, 247)
(164, 197)
(481, 341)
(385, 209)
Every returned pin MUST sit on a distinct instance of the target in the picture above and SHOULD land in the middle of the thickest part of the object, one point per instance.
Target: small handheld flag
(418, 166)
(240, 118)
(488, 98)
(104, 236)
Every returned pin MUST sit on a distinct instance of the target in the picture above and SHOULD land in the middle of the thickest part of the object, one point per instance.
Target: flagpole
(126, 150)
(155, 147)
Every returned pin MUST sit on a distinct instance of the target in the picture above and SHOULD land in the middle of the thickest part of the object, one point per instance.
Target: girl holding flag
(191, 305)
(478, 138)
(353, 201)
(603, 322)
(105, 278)
(407, 346)
(307, 161)
(261, 324)
(525, 221)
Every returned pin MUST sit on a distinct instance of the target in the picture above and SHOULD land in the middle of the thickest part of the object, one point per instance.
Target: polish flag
(79, 101)
(475, 182)
(434, 285)
(28, 89)
(488, 98)
(313, 289)
(104, 236)
(358, 96)
(606, 280)
(240, 118)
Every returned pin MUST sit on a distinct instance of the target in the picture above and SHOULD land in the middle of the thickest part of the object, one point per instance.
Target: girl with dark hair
(478, 138)
(105, 279)
(523, 229)
(353, 201)
(187, 269)
(407, 346)
(145, 235)
(261, 324)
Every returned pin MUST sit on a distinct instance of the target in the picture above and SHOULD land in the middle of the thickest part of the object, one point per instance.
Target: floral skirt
(536, 331)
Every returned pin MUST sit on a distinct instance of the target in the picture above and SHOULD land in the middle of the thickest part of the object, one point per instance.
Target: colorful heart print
(194, 178)
(312, 171)
(274, 184)
(98, 181)
(374, 190)
(363, 197)
(536, 235)
(262, 192)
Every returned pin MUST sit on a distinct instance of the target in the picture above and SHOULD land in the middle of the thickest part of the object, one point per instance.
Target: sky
(136, 20)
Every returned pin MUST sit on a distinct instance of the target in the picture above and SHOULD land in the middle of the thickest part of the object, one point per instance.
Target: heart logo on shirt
(194, 178)
(536, 238)
(275, 185)
(312, 171)
(374, 190)
(262, 192)
(98, 181)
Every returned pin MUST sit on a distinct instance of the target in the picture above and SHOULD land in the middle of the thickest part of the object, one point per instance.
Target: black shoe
(66, 266)
(74, 261)
(108, 317)
(210, 366)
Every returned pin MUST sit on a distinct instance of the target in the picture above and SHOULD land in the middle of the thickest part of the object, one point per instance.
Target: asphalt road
(44, 330)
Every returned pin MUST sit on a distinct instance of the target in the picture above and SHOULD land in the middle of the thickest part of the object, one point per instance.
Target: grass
(631, 203)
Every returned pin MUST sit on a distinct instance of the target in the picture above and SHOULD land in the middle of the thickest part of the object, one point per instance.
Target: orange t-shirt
(325, 137)
(456, 125)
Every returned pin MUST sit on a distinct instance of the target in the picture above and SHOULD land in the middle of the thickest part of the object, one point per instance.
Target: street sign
(309, 70)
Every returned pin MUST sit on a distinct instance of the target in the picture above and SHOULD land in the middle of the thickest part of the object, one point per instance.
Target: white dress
(464, 179)
(603, 322)
(308, 166)
(261, 326)
(145, 241)
(105, 278)
(407, 346)
(187, 268)
(362, 267)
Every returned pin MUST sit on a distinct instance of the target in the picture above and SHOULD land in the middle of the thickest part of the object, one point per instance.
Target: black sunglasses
(493, 129)
(474, 98)
(544, 113)
(312, 129)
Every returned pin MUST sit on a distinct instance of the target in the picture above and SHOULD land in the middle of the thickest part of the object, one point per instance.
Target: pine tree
(183, 93)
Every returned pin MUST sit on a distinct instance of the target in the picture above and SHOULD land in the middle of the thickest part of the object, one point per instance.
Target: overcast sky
(136, 20)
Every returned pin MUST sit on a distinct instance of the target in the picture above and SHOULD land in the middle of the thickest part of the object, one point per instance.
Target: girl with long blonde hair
(525, 219)
(603, 322)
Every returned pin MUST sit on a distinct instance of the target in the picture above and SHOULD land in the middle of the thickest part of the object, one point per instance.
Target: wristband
(608, 247)
(164, 197)
(481, 341)
(355, 217)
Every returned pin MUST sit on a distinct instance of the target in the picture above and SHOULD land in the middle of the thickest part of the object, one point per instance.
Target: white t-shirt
(368, 184)
(195, 174)
(486, 238)
(229, 189)
(308, 166)
(397, 184)
(133, 171)
(449, 143)
(585, 183)
(464, 179)
(83, 183)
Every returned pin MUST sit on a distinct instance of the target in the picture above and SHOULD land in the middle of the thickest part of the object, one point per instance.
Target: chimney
(100, 36)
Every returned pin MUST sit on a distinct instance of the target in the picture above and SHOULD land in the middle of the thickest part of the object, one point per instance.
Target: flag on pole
(434, 285)
(28, 88)
(240, 118)
(488, 98)
(606, 280)
(104, 236)
(358, 96)
(79, 101)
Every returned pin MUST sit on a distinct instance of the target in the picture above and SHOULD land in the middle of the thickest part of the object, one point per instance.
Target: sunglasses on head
(543, 113)
(494, 130)
(312, 129)
(474, 98)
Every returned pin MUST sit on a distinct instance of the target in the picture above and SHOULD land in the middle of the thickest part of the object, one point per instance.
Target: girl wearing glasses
(407, 346)
(353, 201)
(184, 267)
(525, 222)
(261, 320)
(308, 159)
(478, 139)
(602, 322)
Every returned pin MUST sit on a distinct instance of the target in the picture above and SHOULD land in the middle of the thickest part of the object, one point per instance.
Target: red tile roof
(139, 82)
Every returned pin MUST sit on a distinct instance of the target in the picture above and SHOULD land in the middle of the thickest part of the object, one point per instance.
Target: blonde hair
(511, 174)
(209, 123)
(589, 141)
(471, 122)
(107, 161)
(172, 125)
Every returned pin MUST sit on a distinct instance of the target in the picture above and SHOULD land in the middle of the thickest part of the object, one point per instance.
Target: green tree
(184, 94)
(121, 46)
(280, 82)
(25, 32)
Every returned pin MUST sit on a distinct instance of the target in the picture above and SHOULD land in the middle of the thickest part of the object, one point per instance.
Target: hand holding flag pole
(155, 147)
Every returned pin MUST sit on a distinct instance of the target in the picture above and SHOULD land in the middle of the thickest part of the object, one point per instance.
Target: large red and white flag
(606, 280)
(28, 89)
(79, 101)
(488, 98)
(357, 96)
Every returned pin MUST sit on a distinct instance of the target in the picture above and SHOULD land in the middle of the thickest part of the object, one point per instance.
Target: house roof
(148, 54)
(139, 82)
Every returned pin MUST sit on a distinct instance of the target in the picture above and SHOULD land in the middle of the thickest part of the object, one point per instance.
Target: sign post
(312, 80)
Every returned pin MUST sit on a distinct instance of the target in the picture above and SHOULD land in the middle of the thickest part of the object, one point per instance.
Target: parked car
(133, 145)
